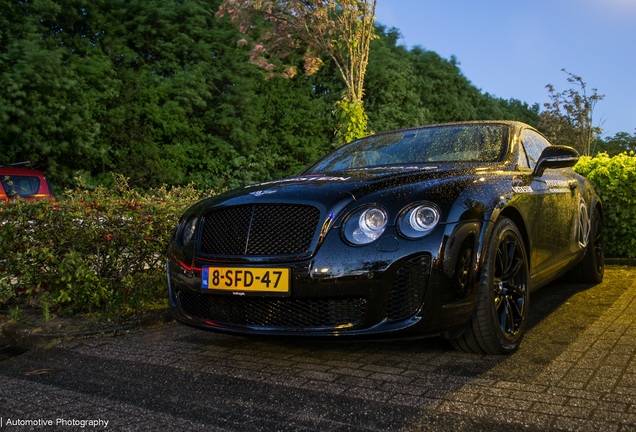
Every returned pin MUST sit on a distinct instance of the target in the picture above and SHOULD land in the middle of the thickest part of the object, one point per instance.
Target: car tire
(592, 267)
(501, 312)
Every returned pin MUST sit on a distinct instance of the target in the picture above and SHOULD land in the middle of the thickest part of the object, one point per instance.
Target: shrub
(100, 251)
(614, 179)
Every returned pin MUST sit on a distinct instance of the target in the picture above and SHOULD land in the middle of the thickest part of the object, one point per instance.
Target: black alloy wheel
(501, 312)
(597, 246)
(591, 269)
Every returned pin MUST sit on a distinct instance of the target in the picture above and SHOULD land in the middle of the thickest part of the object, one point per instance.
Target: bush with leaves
(614, 179)
(100, 251)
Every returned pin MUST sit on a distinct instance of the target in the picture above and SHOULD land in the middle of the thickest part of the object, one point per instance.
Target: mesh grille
(264, 229)
(408, 289)
(274, 312)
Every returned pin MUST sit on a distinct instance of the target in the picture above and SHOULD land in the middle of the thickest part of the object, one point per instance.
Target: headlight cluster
(419, 220)
(187, 231)
(366, 224)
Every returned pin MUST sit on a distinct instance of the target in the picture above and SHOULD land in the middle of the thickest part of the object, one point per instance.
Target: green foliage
(614, 179)
(296, 124)
(619, 143)
(15, 313)
(411, 88)
(91, 251)
(352, 120)
(443, 89)
(392, 99)
(492, 108)
(160, 92)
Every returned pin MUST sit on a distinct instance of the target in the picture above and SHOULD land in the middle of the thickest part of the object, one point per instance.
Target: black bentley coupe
(441, 230)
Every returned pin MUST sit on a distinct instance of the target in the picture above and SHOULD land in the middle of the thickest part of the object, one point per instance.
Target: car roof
(15, 171)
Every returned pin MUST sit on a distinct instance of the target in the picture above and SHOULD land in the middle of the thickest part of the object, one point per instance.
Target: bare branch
(568, 117)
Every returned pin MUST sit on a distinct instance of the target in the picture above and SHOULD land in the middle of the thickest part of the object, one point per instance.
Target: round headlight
(365, 225)
(419, 220)
(372, 221)
(188, 231)
(423, 218)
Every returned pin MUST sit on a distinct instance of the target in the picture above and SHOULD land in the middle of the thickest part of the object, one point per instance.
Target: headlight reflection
(365, 225)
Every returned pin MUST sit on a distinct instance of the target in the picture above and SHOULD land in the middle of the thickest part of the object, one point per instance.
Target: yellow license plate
(273, 280)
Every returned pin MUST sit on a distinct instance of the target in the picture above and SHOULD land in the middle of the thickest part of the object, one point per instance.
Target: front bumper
(345, 305)
(394, 286)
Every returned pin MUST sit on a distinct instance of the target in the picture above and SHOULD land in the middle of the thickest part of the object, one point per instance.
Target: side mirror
(555, 156)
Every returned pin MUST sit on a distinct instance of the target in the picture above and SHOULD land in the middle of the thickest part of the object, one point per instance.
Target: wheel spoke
(509, 323)
(509, 286)
(511, 314)
(513, 270)
(504, 318)
(518, 307)
(513, 261)
(515, 291)
(501, 263)
(499, 300)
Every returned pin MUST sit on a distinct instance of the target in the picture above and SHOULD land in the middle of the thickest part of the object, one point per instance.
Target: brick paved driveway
(576, 370)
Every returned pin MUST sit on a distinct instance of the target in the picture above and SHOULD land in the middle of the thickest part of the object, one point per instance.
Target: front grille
(262, 229)
(408, 289)
(287, 313)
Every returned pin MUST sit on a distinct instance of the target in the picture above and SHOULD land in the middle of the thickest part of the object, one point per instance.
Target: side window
(23, 186)
(522, 160)
(534, 144)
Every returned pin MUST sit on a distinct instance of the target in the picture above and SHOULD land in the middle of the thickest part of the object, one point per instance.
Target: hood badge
(262, 192)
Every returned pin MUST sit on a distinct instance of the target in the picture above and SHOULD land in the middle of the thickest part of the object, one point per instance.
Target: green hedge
(100, 251)
(614, 179)
(103, 251)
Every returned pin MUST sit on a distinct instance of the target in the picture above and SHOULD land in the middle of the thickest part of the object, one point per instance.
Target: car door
(554, 224)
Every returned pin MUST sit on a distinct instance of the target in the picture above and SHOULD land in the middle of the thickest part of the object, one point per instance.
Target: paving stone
(575, 371)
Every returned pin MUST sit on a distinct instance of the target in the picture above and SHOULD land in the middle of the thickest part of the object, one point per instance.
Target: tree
(160, 92)
(391, 98)
(568, 117)
(339, 29)
(619, 143)
(50, 88)
(405, 88)
(444, 91)
(186, 108)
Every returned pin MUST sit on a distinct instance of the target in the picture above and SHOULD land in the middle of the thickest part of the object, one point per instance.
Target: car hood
(335, 190)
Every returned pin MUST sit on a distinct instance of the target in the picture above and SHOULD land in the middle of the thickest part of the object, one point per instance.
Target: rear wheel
(592, 267)
(501, 312)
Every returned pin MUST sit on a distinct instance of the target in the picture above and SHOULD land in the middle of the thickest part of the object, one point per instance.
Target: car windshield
(479, 143)
(17, 185)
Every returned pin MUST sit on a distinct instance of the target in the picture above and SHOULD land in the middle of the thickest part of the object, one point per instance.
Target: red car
(23, 182)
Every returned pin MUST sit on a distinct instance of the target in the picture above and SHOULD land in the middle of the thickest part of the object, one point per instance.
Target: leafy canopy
(340, 30)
